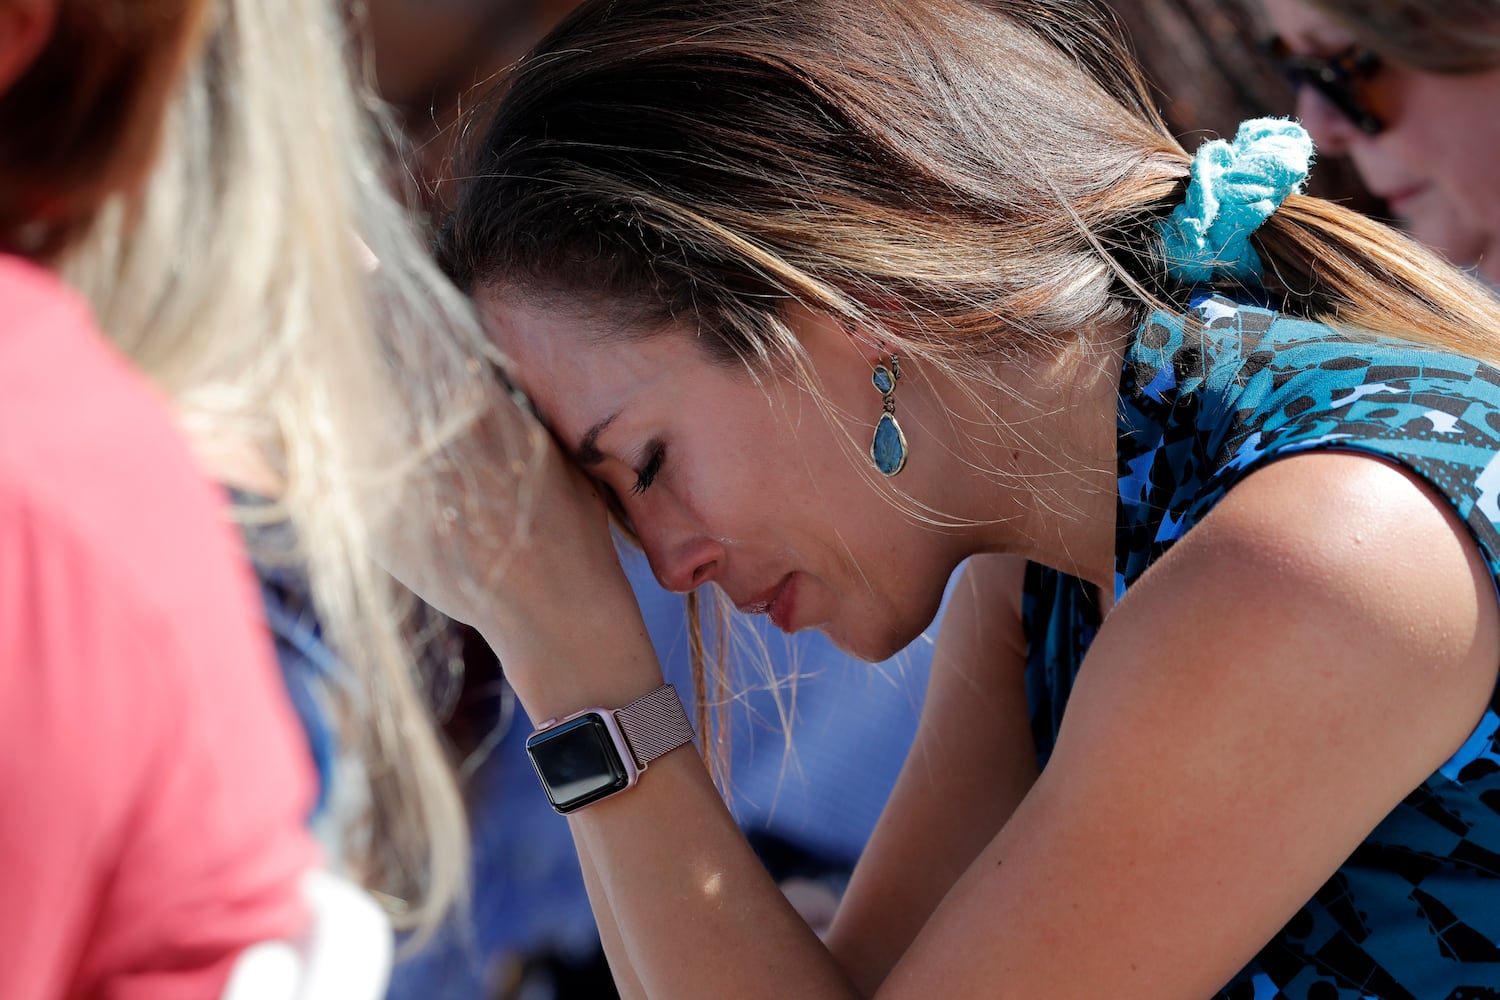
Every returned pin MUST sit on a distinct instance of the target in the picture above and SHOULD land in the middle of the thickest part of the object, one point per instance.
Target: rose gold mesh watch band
(654, 724)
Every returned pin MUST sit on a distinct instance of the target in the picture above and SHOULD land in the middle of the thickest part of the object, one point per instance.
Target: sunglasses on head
(1340, 78)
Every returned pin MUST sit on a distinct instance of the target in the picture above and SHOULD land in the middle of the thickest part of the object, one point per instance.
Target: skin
(772, 498)
(432, 61)
(1181, 788)
(25, 26)
(1433, 163)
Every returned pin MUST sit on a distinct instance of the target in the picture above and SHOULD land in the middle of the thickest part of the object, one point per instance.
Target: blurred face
(741, 482)
(25, 26)
(428, 57)
(84, 85)
(1433, 159)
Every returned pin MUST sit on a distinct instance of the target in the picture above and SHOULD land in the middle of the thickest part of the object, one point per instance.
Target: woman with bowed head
(1406, 91)
(823, 300)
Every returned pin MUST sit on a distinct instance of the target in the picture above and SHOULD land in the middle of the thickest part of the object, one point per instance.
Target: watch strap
(654, 724)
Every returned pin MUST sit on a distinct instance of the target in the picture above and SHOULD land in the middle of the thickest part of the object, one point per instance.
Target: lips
(1402, 197)
(777, 603)
(784, 604)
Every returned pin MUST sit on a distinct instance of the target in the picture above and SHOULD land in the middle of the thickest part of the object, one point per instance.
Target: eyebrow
(587, 453)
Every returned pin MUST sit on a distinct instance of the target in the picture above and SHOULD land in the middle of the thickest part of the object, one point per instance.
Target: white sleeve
(346, 953)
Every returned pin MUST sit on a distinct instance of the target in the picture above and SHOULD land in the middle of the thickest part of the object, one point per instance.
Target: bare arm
(1262, 698)
(626, 983)
(971, 763)
(1259, 701)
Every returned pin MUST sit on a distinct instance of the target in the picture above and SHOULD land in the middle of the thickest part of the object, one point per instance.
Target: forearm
(970, 765)
(627, 983)
(694, 909)
(685, 908)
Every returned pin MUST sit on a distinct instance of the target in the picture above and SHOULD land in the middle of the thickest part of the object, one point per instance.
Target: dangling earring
(888, 449)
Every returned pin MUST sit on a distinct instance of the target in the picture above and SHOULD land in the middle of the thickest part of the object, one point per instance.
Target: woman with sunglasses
(1409, 92)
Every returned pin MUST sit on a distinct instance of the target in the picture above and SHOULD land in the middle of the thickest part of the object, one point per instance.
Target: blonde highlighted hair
(270, 283)
(968, 179)
(1440, 36)
(963, 181)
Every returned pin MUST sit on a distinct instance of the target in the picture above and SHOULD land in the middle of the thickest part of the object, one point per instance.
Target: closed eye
(656, 454)
(615, 507)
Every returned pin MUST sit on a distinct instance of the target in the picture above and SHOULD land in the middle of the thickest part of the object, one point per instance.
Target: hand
(520, 547)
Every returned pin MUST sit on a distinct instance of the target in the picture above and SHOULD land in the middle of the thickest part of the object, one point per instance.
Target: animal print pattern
(1206, 398)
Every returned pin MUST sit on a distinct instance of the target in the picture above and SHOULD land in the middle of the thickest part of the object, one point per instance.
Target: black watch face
(577, 763)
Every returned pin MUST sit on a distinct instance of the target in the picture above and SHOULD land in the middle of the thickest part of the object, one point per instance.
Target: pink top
(154, 787)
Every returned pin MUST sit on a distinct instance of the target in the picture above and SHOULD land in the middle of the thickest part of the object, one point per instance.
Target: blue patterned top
(1204, 400)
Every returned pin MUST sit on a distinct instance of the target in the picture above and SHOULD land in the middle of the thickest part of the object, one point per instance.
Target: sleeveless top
(1205, 399)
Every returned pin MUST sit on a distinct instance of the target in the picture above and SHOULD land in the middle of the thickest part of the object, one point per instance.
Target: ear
(25, 27)
(835, 338)
(868, 338)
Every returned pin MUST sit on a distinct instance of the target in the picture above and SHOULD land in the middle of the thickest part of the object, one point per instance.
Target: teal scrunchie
(1234, 187)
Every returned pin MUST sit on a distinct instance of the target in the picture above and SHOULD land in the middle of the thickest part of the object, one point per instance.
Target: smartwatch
(591, 755)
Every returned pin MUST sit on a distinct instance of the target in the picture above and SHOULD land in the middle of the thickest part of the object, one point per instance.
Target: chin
(878, 638)
(863, 650)
(1461, 247)
(1489, 267)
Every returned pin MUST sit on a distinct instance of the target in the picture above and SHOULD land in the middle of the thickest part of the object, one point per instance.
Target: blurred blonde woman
(153, 784)
(270, 284)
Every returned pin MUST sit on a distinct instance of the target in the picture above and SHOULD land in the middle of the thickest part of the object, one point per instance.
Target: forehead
(1304, 26)
(578, 368)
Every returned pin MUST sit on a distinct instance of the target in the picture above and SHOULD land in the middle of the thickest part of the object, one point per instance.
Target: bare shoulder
(1336, 560)
(1262, 697)
(1359, 551)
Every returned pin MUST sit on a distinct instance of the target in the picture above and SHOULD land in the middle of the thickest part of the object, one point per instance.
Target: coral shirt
(154, 787)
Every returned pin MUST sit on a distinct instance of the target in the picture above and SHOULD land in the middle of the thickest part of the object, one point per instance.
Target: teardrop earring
(888, 448)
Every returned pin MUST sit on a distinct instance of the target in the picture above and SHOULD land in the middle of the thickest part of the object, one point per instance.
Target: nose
(683, 556)
(1332, 133)
(687, 568)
